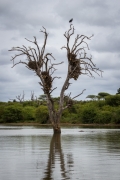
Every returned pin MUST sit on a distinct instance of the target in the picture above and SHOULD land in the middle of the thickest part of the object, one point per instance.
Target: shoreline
(61, 124)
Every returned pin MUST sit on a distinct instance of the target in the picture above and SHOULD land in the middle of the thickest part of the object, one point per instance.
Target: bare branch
(49, 54)
(37, 48)
(41, 84)
(19, 63)
(20, 98)
(57, 63)
(52, 90)
(29, 40)
(78, 94)
(32, 96)
(63, 47)
(55, 78)
(82, 38)
(45, 40)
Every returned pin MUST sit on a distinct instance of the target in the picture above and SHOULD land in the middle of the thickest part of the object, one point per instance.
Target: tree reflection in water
(56, 157)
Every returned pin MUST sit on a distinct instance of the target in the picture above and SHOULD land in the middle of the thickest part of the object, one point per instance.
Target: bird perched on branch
(70, 20)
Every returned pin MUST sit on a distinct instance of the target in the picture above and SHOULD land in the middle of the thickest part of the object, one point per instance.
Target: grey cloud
(110, 43)
(4, 57)
(4, 60)
(15, 16)
(14, 38)
(90, 12)
(4, 52)
(5, 79)
(24, 19)
(107, 61)
(23, 71)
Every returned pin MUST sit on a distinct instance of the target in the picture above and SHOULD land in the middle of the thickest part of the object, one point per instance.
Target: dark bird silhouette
(70, 20)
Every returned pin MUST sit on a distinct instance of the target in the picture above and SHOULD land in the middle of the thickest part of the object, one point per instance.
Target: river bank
(62, 124)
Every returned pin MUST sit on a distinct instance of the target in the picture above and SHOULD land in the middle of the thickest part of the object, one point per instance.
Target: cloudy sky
(24, 19)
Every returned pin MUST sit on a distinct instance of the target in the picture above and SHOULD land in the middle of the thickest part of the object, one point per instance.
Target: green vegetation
(118, 91)
(105, 110)
(42, 114)
(12, 113)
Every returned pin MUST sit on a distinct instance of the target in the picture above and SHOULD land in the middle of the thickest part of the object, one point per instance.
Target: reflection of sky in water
(33, 153)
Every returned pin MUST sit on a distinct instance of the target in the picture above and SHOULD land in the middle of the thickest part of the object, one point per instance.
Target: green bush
(30, 103)
(104, 112)
(88, 114)
(12, 113)
(101, 103)
(69, 117)
(1, 112)
(107, 108)
(103, 117)
(29, 113)
(113, 100)
(116, 116)
(65, 113)
(72, 109)
(42, 114)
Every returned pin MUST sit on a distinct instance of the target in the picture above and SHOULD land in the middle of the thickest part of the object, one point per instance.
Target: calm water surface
(33, 153)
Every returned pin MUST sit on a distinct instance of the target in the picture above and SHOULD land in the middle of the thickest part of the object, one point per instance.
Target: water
(33, 153)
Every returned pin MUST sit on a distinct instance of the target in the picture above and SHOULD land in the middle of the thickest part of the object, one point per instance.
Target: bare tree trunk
(56, 129)
(54, 115)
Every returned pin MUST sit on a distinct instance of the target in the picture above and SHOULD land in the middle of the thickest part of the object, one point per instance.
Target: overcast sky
(24, 19)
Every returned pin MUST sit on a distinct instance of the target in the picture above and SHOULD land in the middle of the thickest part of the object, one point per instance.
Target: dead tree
(21, 98)
(32, 96)
(79, 63)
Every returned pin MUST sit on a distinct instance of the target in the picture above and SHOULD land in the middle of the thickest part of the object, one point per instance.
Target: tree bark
(56, 129)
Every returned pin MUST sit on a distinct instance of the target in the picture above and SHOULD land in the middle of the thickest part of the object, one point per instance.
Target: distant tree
(102, 95)
(42, 97)
(113, 100)
(79, 63)
(32, 96)
(14, 100)
(118, 91)
(98, 97)
(93, 97)
(21, 97)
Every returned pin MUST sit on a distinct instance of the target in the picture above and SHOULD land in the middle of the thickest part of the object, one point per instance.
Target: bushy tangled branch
(38, 61)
